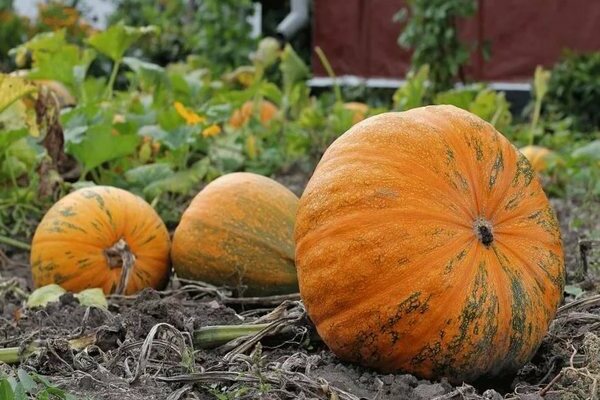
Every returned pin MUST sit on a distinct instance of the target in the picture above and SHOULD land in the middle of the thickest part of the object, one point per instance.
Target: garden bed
(143, 345)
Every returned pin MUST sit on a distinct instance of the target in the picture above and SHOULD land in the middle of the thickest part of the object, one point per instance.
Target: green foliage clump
(215, 31)
(25, 386)
(574, 90)
(432, 34)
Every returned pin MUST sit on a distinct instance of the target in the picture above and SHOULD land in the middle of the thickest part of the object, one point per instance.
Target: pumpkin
(538, 157)
(101, 237)
(240, 117)
(359, 111)
(239, 231)
(425, 244)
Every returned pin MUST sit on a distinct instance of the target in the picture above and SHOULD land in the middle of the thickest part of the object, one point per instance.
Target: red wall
(359, 37)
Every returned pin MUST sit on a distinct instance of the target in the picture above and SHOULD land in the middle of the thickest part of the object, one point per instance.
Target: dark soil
(144, 349)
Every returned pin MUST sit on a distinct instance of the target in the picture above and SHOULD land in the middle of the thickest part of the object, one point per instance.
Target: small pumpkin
(101, 237)
(425, 244)
(538, 157)
(266, 109)
(359, 111)
(238, 231)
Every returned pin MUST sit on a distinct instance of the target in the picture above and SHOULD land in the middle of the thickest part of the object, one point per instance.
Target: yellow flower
(212, 130)
(191, 118)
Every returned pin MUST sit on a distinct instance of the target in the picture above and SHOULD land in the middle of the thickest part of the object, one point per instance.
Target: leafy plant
(540, 87)
(415, 92)
(216, 32)
(14, 30)
(114, 42)
(480, 100)
(432, 35)
(30, 385)
(574, 90)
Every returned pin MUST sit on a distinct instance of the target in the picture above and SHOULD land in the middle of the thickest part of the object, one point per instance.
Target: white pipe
(295, 20)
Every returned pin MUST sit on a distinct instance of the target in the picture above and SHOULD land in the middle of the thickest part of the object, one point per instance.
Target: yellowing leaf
(92, 297)
(244, 75)
(12, 89)
(40, 297)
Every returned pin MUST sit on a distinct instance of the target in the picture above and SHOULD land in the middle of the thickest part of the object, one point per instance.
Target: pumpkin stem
(120, 256)
(14, 355)
(483, 231)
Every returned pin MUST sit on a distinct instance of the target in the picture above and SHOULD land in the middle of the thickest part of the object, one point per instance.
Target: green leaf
(40, 297)
(590, 151)
(6, 392)
(218, 113)
(180, 182)
(26, 380)
(148, 73)
(54, 58)
(12, 89)
(18, 159)
(115, 41)
(460, 98)
(75, 134)
(271, 91)
(100, 145)
(20, 393)
(412, 93)
(484, 104)
(153, 131)
(226, 153)
(8, 138)
(139, 66)
(145, 175)
(69, 65)
(180, 137)
(293, 69)
(47, 41)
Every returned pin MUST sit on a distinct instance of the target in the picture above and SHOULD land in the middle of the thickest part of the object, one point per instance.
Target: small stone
(429, 391)
(364, 378)
(86, 382)
(491, 394)
(387, 379)
(400, 390)
(410, 380)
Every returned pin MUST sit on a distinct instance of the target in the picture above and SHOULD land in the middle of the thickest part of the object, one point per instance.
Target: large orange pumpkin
(102, 237)
(238, 231)
(266, 110)
(425, 244)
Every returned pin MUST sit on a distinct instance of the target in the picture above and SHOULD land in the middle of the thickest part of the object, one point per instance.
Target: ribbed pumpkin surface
(70, 246)
(425, 244)
(238, 231)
